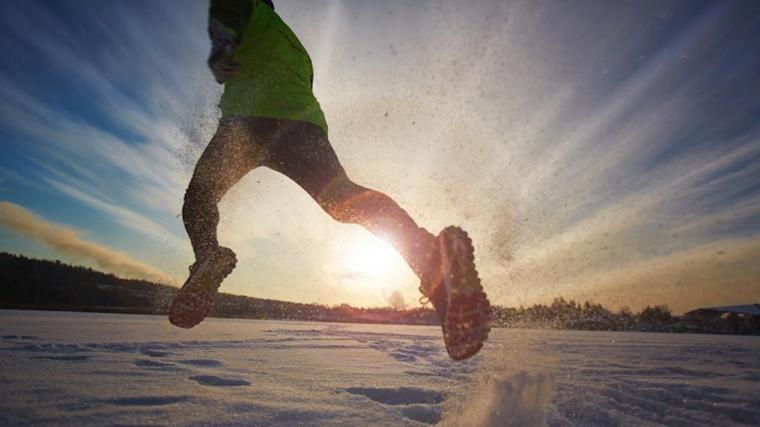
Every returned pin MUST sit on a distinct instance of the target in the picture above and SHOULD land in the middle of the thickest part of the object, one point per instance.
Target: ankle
(425, 254)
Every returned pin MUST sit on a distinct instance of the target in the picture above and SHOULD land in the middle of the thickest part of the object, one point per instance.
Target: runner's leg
(302, 152)
(228, 157)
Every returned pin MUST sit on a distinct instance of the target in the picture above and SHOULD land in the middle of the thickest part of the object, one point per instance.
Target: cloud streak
(70, 243)
(573, 141)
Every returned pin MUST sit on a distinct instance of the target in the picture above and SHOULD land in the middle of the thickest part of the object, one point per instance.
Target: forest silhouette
(29, 283)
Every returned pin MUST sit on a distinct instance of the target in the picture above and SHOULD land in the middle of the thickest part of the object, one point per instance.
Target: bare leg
(228, 157)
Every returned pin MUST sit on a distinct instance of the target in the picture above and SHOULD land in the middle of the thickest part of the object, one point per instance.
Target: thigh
(302, 152)
(230, 155)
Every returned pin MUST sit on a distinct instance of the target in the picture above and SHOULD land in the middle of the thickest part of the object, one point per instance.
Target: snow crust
(75, 368)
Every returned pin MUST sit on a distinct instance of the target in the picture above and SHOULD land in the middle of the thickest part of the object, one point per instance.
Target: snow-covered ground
(74, 368)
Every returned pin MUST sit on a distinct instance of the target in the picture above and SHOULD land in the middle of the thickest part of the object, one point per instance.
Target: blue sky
(602, 150)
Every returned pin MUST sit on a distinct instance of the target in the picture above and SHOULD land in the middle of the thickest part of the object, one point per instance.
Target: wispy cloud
(571, 147)
(70, 243)
(122, 152)
(586, 156)
(722, 273)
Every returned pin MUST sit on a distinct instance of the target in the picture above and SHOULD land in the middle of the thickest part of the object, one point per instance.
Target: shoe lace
(424, 299)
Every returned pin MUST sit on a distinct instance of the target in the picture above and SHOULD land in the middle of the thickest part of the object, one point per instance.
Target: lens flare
(369, 258)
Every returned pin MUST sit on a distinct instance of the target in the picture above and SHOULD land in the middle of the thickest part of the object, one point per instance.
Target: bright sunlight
(369, 257)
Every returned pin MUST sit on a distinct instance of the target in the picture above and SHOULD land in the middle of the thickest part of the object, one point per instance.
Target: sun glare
(369, 256)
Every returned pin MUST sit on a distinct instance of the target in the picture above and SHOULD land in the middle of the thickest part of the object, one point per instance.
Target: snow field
(76, 368)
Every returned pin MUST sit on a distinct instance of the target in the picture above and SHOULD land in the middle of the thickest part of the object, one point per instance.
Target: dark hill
(27, 283)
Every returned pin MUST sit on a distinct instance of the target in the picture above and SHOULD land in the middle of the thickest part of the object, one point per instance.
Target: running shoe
(453, 286)
(195, 300)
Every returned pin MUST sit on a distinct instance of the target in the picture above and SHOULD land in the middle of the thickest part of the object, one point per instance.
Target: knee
(349, 203)
(192, 194)
(339, 200)
(197, 197)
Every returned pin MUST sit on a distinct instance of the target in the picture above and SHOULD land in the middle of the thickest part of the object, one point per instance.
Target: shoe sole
(468, 316)
(194, 301)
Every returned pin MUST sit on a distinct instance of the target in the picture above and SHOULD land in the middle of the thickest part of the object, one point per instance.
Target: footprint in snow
(203, 363)
(147, 363)
(63, 358)
(422, 413)
(399, 395)
(419, 404)
(19, 337)
(154, 353)
(214, 381)
(147, 400)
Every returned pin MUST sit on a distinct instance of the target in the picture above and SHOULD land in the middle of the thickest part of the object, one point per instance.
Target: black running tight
(300, 151)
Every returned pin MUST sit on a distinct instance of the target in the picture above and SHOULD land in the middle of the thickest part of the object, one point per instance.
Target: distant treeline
(27, 283)
(562, 314)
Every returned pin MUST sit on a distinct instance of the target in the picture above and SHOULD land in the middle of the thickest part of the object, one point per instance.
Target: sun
(363, 254)
(372, 256)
